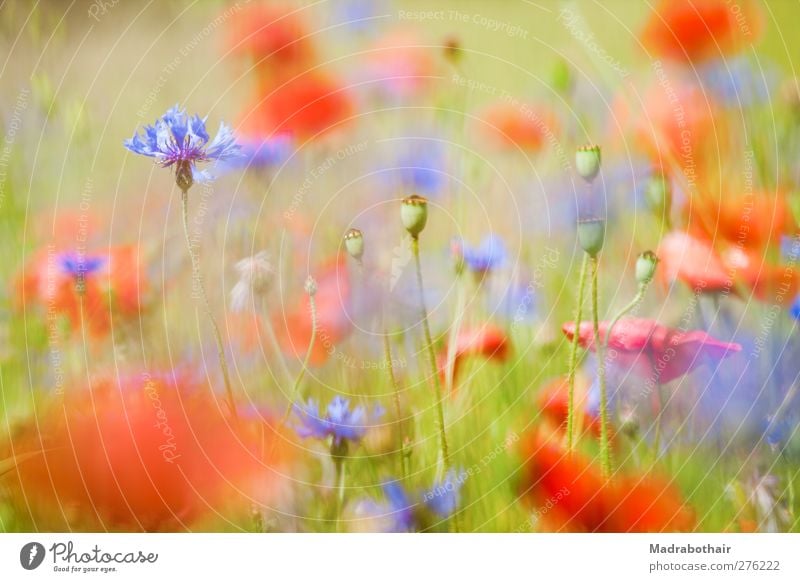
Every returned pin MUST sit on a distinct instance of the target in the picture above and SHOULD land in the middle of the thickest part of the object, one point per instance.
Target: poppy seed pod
(311, 286)
(646, 267)
(354, 243)
(658, 194)
(591, 235)
(414, 214)
(587, 161)
(452, 50)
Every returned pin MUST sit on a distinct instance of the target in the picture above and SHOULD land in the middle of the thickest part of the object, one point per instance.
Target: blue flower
(444, 497)
(264, 153)
(422, 168)
(488, 255)
(412, 512)
(179, 140)
(794, 310)
(400, 507)
(78, 266)
(736, 82)
(790, 248)
(340, 423)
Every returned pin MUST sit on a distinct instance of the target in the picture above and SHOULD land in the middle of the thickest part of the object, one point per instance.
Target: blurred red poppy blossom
(332, 299)
(693, 261)
(303, 107)
(488, 341)
(698, 30)
(509, 126)
(654, 350)
(152, 453)
(579, 499)
(400, 66)
(86, 288)
(553, 402)
(768, 282)
(274, 36)
(755, 221)
(689, 137)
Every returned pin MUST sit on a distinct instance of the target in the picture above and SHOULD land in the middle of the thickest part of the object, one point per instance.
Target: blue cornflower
(412, 512)
(263, 153)
(790, 248)
(794, 310)
(180, 140)
(78, 266)
(488, 255)
(736, 82)
(340, 423)
(422, 168)
(443, 498)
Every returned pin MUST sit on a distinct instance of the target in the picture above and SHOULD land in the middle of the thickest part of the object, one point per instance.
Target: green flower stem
(298, 381)
(387, 354)
(273, 340)
(444, 451)
(626, 310)
(605, 450)
(573, 355)
(338, 463)
(198, 277)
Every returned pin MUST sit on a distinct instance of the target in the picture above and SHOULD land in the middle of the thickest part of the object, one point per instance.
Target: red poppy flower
(274, 36)
(651, 349)
(577, 498)
(696, 30)
(694, 261)
(149, 454)
(767, 282)
(553, 401)
(304, 107)
(87, 289)
(689, 138)
(488, 341)
(400, 65)
(293, 327)
(509, 126)
(754, 222)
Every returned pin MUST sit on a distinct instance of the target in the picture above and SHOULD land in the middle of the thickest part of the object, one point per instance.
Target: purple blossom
(340, 422)
(413, 512)
(488, 255)
(78, 266)
(180, 140)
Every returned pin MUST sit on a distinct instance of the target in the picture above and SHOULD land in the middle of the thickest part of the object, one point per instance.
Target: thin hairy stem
(444, 451)
(573, 355)
(605, 450)
(387, 354)
(198, 280)
(298, 381)
(274, 344)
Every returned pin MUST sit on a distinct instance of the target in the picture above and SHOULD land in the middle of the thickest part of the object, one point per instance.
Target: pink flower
(649, 348)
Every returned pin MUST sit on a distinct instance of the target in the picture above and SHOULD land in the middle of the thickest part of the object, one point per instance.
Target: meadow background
(78, 78)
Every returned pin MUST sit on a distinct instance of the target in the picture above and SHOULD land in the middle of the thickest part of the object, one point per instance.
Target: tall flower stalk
(573, 356)
(179, 141)
(414, 215)
(342, 427)
(591, 236)
(354, 244)
(311, 290)
(198, 281)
